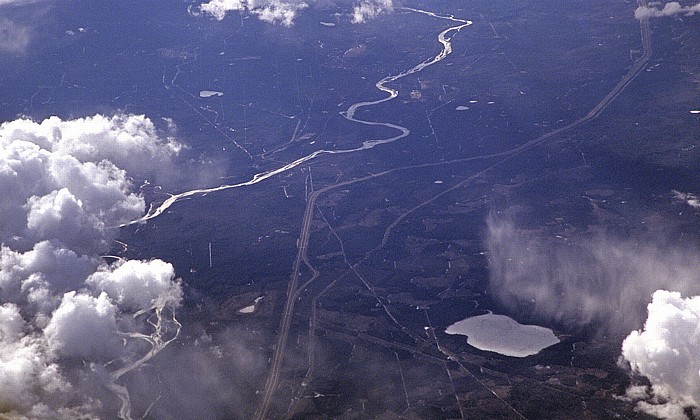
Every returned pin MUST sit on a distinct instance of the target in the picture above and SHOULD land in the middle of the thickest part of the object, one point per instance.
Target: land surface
(573, 120)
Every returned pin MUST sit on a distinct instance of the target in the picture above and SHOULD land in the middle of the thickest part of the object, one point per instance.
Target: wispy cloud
(690, 199)
(14, 38)
(606, 283)
(586, 280)
(18, 2)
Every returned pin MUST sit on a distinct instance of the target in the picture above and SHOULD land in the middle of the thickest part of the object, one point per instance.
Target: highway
(293, 290)
(302, 254)
(302, 259)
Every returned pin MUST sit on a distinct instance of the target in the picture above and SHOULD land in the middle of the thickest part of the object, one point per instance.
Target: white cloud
(138, 285)
(84, 326)
(285, 11)
(271, 11)
(670, 9)
(277, 11)
(47, 266)
(130, 142)
(28, 376)
(65, 186)
(370, 9)
(667, 352)
(59, 214)
(67, 180)
(11, 323)
(219, 8)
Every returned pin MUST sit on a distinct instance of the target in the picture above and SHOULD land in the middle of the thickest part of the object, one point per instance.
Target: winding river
(349, 114)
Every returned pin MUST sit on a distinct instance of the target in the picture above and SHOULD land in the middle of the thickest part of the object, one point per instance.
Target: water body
(349, 114)
(503, 335)
(210, 93)
(250, 308)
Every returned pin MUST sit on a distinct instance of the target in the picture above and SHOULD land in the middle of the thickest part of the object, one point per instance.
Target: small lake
(503, 335)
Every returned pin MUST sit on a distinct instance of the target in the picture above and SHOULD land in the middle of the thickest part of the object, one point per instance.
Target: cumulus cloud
(66, 185)
(279, 12)
(219, 8)
(48, 269)
(67, 180)
(666, 352)
(138, 285)
(28, 376)
(285, 11)
(669, 9)
(11, 323)
(84, 326)
(130, 142)
(584, 281)
(271, 11)
(370, 9)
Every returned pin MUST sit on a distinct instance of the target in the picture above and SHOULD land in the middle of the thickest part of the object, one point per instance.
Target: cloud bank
(285, 11)
(667, 352)
(64, 312)
(670, 9)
